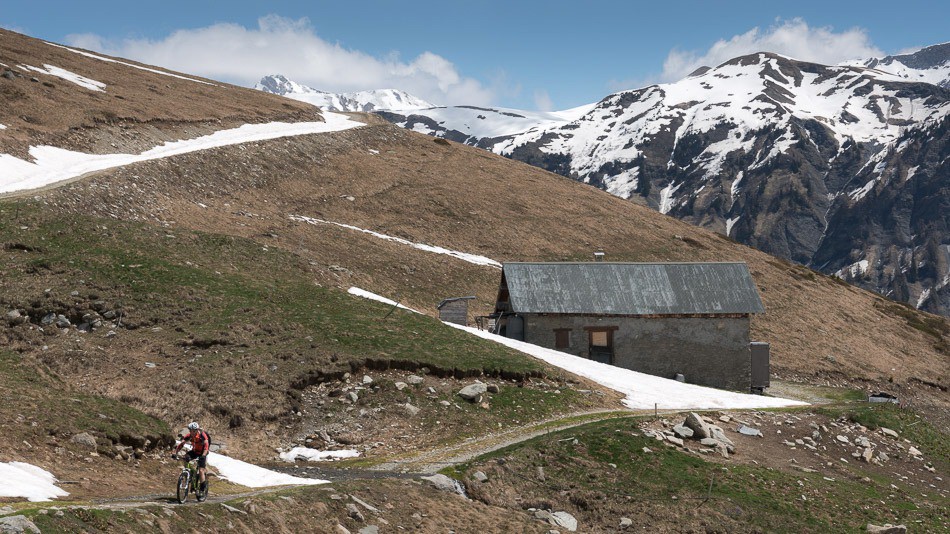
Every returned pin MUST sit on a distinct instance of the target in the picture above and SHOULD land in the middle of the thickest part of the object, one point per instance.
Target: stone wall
(707, 351)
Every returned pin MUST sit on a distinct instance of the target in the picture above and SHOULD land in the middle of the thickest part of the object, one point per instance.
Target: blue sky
(554, 54)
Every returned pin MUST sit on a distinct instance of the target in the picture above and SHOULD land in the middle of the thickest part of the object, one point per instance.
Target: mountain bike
(188, 480)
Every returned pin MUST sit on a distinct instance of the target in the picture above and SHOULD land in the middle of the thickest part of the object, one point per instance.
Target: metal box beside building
(760, 366)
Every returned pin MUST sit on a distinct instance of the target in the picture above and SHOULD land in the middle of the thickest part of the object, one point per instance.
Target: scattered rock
(14, 317)
(473, 393)
(479, 476)
(401, 385)
(340, 529)
(675, 440)
(725, 418)
(410, 409)
(354, 512)
(233, 510)
(626, 522)
(914, 451)
(683, 432)
(371, 529)
(867, 455)
(493, 388)
(17, 524)
(415, 380)
(352, 396)
(749, 431)
(647, 450)
(862, 441)
(367, 380)
(843, 439)
(889, 432)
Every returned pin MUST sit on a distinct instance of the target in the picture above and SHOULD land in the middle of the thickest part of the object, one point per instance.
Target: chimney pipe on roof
(599, 256)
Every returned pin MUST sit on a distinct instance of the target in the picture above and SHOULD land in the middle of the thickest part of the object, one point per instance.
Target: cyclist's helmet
(193, 425)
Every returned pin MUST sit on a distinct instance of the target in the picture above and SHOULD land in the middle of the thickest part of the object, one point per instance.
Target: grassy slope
(215, 327)
(671, 489)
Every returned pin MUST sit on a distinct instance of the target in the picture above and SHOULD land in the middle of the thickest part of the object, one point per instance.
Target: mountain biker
(200, 447)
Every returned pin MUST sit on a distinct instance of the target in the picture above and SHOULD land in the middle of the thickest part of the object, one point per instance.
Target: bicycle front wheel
(184, 482)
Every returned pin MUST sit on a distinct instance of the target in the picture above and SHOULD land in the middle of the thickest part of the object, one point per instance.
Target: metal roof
(610, 288)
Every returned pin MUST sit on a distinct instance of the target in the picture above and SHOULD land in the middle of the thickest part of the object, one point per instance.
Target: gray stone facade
(708, 350)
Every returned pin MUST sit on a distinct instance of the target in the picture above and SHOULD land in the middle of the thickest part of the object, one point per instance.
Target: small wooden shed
(455, 310)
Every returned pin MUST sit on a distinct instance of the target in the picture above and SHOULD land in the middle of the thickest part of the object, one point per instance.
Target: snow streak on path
(643, 391)
(52, 165)
(18, 479)
(464, 256)
(253, 476)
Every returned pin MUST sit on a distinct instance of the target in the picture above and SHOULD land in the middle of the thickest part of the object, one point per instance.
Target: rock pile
(698, 428)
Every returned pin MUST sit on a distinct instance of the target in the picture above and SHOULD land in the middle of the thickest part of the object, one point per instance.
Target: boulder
(718, 434)
(367, 380)
(442, 483)
(17, 524)
(479, 476)
(85, 440)
(698, 426)
(473, 392)
(415, 380)
(914, 451)
(675, 440)
(352, 396)
(401, 385)
(890, 433)
(626, 522)
(563, 520)
(410, 409)
(354, 512)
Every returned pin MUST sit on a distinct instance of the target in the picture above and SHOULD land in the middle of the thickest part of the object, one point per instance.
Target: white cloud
(542, 100)
(233, 53)
(792, 38)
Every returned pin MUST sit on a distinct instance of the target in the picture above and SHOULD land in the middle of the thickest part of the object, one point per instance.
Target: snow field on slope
(52, 165)
(643, 391)
(23, 480)
(373, 296)
(497, 122)
(315, 455)
(64, 74)
(464, 256)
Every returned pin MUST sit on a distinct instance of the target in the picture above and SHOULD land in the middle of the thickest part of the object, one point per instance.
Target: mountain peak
(367, 101)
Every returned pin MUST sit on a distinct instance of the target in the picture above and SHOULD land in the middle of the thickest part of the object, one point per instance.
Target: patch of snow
(464, 256)
(735, 185)
(373, 296)
(924, 295)
(53, 164)
(64, 74)
(109, 60)
(666, 198)
(730, 223)
(911, 172)
(854, 270)
(19, 479)
(314, 455)
(642, 391)
(862, 192)
(254, 476)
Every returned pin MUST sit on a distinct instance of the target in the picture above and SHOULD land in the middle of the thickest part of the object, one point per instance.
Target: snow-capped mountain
(768, 150)
(375, 100)
(930, 65)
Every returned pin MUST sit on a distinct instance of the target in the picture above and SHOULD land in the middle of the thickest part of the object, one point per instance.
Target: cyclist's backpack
(207, 435)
